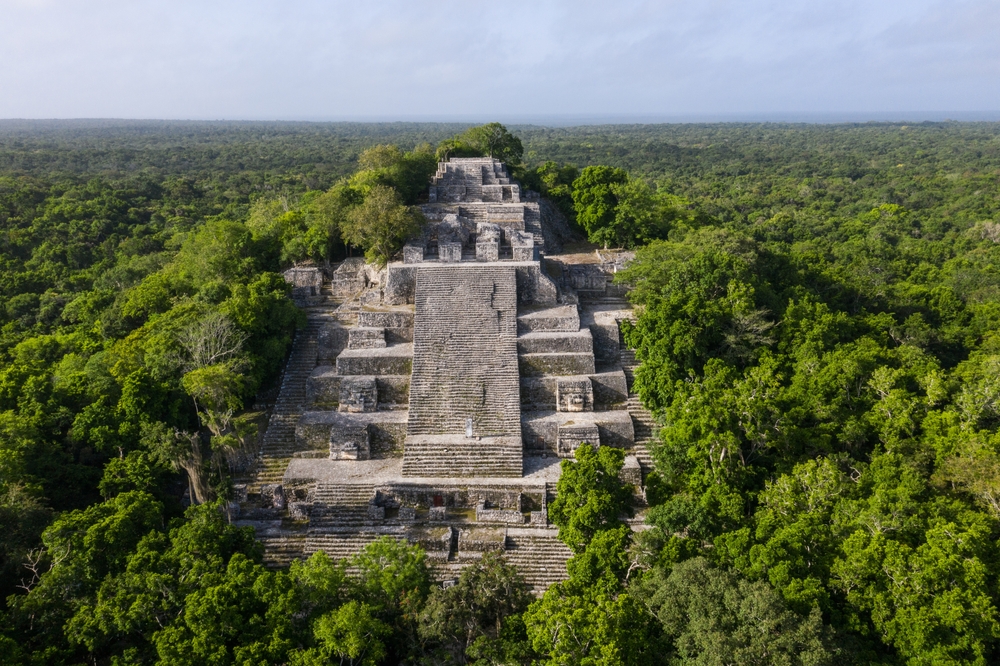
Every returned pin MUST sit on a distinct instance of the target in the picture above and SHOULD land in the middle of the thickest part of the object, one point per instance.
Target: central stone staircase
(465, 374)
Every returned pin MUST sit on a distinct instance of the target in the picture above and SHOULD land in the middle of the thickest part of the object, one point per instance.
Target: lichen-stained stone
(574, 394)
(413, 253)
(272, 496)
(610, 389)
(536, 365)
(449, 252)
(392, 360)
(323, 387)
(358, 394)
(487, 250)
(474, 541)
(631, 472)
(365, 338)
(350, 443)
(574, 435)
(331, 339)
(523, 246)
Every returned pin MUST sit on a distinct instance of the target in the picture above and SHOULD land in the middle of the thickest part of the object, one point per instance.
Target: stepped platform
(434, 400)
(539, 555)
(609, 388)
(393, 360)
(458, 455)
(535, 470)
(556, 363)
(542, 342)
(561, 318)
(546, 431)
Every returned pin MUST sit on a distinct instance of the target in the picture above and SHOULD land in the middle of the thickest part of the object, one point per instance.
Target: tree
(472, 618)
(712, 617)
(352, 634)
(494, 140)
(489, 140)
(381, 224)
(590, 496)
(595, 197)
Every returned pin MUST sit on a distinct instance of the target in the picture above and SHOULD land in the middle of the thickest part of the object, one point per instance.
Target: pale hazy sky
(254, 59)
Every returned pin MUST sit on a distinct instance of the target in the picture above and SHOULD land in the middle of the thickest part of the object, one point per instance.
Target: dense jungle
(818, 325)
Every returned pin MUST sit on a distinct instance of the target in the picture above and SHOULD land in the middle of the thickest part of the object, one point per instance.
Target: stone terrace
(433, 400)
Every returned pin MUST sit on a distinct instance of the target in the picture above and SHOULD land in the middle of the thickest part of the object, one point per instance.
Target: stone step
(280, 551)
(541, 560)
(580, 341)
(339, 546)
(562, 363)
(564, 318)
(465, 357)
(458, 456)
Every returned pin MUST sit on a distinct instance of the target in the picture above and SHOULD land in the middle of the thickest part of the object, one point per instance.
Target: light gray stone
(358, 394)
(572, 436)
(574, 394)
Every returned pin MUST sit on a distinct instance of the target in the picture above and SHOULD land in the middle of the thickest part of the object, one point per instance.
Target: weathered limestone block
(536, 365)
(350, 443)
(413, 253)
(305, 276)
(474, 541)
(610, 389)
(365, 338)
(574, 394)
(588, 277)
(399, 283)
(393, 391)
(548, 342)
(396, 360)
(387, 319)
(349, 278)
(331, 339)
(387, 437)
(398, 324)
(298, 510)
(323, 387)
(572, 436)
(540, 430)
(358, 394)
(272, 496)
(407, 514)
(631, 472)
(502, 516)
(487, 250)
(449, 252)
(560, 318)
(538, 519)
(437, 513)
(375, 512)
(523, 246)
(307, 284)
(436, 541)
(487, 231)
(538, 393)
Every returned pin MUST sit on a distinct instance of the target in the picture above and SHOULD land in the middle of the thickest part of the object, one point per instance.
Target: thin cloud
(255, 59)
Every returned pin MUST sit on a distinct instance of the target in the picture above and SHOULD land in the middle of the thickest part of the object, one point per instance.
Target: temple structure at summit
(433, 400)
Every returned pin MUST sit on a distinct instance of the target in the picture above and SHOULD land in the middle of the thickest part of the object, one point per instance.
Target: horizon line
(575, 119)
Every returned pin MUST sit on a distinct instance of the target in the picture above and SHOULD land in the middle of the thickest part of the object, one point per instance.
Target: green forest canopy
(819, 309)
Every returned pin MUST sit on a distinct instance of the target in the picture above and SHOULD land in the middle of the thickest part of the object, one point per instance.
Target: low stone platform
(458, 455)
(536, 470)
